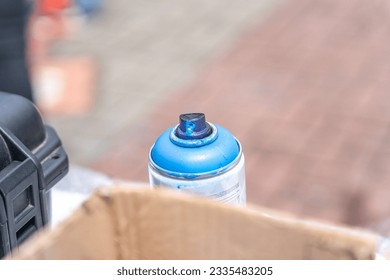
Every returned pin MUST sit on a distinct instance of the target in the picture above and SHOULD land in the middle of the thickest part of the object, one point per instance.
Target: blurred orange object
(47, 7)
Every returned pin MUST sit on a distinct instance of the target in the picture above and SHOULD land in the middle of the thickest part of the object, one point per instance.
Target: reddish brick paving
(308, 94)
(64, 86)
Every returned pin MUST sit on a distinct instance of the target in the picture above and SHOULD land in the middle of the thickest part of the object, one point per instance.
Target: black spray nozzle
(193, 126)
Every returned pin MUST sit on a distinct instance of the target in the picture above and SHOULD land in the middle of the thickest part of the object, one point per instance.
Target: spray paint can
(199, 158)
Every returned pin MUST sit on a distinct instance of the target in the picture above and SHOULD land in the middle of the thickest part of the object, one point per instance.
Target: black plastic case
(32, 160)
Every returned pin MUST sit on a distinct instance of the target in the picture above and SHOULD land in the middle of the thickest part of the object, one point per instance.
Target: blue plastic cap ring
(191, 143)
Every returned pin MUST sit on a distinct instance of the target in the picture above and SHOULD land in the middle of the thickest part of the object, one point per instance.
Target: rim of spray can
(201, 158)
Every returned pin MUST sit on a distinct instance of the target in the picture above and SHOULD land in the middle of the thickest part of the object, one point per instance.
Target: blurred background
(304, 85)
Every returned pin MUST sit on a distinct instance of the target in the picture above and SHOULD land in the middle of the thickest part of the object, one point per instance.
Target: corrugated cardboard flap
(124, 223)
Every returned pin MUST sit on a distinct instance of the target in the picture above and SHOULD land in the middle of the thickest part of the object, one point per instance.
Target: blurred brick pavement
(143, 51)
(308, 94)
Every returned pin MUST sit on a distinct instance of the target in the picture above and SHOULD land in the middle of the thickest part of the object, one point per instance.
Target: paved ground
(306, 91)
(144, 50)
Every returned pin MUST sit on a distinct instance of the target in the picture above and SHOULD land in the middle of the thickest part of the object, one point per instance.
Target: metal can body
(211, 164)
(227, 187)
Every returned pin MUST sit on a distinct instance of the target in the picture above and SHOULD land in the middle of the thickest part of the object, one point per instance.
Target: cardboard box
(125, 223)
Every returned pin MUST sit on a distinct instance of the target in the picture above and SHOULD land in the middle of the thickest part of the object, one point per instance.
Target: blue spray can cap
(194, 148)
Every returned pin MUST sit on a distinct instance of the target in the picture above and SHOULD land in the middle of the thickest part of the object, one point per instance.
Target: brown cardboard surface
(124, 223)
(88, 234)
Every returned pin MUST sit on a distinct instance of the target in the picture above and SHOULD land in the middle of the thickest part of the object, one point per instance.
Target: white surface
(64, 203)
(73, 190)
(195, 269)
(76, 187)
